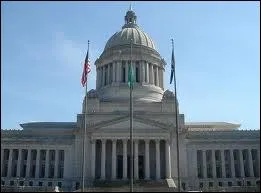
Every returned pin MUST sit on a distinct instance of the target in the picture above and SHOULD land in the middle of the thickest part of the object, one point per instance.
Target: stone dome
(130, 31)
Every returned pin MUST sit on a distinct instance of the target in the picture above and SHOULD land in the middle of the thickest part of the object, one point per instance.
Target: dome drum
(120, 92)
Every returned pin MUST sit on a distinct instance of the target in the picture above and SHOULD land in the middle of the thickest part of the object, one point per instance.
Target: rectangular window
(60, 184)
(77, 185)
(184, 185)
(52, 155)
(61, 155)
(31, 183)
(219, 171)
(6, 154)
(199, 164)
(123, 75)
(239, 183)
(210, 184)
(21, 183)
(229, 183)
(40, 183)
(220, 183)
(50, 183)
(137, 73)
(11, 183)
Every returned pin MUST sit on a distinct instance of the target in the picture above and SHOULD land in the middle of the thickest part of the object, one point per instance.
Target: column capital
(124, 141)
(93, 141)
(147, 141)
(167, 141)
(114, 140)
(136, 141)
(103, 141)
(157, 141)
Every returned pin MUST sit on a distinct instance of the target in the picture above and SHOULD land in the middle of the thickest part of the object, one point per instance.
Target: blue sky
(217, 46)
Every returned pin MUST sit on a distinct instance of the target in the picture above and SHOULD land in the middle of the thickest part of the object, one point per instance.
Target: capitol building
(212, 154)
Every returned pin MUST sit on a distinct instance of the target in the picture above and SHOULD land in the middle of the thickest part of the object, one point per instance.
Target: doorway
(141, 167)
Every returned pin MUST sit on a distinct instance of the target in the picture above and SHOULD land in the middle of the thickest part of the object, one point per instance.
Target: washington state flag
(131, 76)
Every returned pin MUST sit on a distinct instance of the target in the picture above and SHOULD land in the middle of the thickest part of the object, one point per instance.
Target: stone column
(126, 71)
(97, 77)
(103, 75)
(93, 160)
(18, 169)
(214, 170)
(46, 172)
(162, 78)
(113, 72)
(232, 164)
(56, 163)
(157, 159)
(168, 163)
(250, 162)
(157, 76)
(10, 160)
(241, 163)
(103, 159)
(136, 159)
(147, 159)
(204, 164)
(109, 73)
(147, 73)
(113, 165)
(37, 168)
(124, 159)
(222, 152)
(28, 163)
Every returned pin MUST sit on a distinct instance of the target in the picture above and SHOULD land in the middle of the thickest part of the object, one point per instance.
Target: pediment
(123, 125)
(126, 124)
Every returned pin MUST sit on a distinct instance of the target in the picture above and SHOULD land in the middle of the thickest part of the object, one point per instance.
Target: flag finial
(172, 41)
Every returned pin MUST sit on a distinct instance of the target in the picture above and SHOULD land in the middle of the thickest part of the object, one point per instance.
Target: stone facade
(211, 154)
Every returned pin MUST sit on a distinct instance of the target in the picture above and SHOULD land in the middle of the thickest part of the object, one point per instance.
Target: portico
(149, 155)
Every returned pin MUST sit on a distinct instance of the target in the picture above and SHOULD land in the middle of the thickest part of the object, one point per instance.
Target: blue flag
(172, 65)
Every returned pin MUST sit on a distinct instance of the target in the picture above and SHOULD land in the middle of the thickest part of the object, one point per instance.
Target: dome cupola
(130, 30)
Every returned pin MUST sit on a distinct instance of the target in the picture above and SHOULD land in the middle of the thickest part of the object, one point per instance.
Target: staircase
(124, 186)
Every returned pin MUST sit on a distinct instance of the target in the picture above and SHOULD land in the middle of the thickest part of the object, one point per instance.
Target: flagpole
(85, 118)
(176, 114)
(131, 125)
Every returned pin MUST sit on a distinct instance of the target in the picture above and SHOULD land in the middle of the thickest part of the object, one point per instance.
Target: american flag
(86, 69)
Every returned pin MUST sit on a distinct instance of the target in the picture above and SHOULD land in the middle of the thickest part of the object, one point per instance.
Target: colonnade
(117, 71)
(228, 163)
(136, 144)
(32, 163)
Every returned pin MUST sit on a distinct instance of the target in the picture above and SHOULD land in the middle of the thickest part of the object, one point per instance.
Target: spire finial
(130, 7)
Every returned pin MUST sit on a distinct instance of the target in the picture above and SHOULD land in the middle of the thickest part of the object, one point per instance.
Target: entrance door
(119, 166)
(141, 167)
